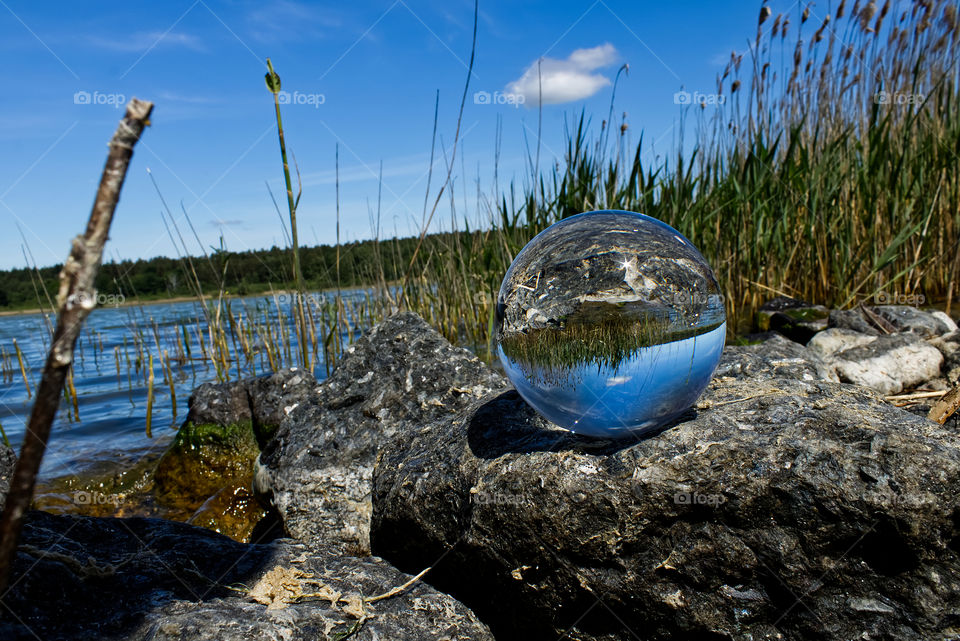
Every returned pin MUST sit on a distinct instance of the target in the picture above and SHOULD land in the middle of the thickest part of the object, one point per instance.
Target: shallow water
(112, 404)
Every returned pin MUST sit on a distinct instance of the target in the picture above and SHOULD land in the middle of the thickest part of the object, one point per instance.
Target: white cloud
(559, 81)
(286, 20)
(173, 96)
(143, 41)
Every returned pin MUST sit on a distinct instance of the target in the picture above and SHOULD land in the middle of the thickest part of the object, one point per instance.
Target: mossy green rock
(203, 459)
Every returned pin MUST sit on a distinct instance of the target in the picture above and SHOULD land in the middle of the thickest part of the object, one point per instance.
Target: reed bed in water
(828, 173)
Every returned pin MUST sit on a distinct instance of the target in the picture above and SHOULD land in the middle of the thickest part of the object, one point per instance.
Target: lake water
(112, 402)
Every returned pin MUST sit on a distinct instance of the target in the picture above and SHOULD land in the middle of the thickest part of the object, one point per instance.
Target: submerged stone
(205, 458)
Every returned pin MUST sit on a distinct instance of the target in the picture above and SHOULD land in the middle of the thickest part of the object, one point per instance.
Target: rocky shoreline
(794, 501)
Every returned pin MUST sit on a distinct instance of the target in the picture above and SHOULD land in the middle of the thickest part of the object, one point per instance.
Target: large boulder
(781, 509)
(316, 469)
(887, 363)
(82, 578)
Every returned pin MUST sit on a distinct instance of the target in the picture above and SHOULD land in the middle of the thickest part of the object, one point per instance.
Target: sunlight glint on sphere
(610, 323)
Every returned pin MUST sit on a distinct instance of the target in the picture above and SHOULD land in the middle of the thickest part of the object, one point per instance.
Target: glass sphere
(610, 323)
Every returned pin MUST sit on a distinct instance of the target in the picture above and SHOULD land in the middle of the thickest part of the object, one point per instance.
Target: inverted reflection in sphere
(610, 323)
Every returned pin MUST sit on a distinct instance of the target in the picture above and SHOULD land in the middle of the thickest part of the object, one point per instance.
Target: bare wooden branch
(76, 298)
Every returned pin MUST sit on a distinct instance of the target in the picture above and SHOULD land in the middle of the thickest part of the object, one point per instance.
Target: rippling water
(112, 403)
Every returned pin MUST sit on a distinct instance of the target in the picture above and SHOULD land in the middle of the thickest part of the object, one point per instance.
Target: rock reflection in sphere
(610, 323)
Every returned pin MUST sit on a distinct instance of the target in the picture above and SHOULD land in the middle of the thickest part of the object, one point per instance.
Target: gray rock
(852, 319)
(910, 319)
(273, 397)
(776, 356)
(219, 404)
(316, 470)
(8, 460)
(888, 363)
(783, 509)
(783, 303)
(797, 320)
(146, 580)
(945, 318)
(949, 346)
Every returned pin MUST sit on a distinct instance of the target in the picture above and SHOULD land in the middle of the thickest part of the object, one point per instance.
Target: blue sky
(361, 75)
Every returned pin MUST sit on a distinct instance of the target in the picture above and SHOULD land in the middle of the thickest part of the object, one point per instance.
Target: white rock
(887, 364)
(830, 341)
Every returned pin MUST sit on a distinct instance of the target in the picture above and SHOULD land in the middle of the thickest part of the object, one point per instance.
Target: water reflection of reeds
(597, 337)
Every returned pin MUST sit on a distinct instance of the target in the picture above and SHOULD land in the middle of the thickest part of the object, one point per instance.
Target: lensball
(610, 323)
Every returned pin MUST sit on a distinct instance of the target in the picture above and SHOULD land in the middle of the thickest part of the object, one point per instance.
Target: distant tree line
(241, 273)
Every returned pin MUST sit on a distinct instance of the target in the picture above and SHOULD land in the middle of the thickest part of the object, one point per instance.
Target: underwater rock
(8, 460)
(232, 511)
(888, 363)
(781, 509)
(86, 578)
(118, 483)
(203, 459)
(316, 469)
(210, 461)
(208, 469)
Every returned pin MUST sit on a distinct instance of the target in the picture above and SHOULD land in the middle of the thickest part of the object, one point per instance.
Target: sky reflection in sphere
(610, 323)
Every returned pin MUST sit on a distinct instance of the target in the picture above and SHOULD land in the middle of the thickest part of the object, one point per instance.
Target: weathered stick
(915, 396)
(945, 407)
(77, 297)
